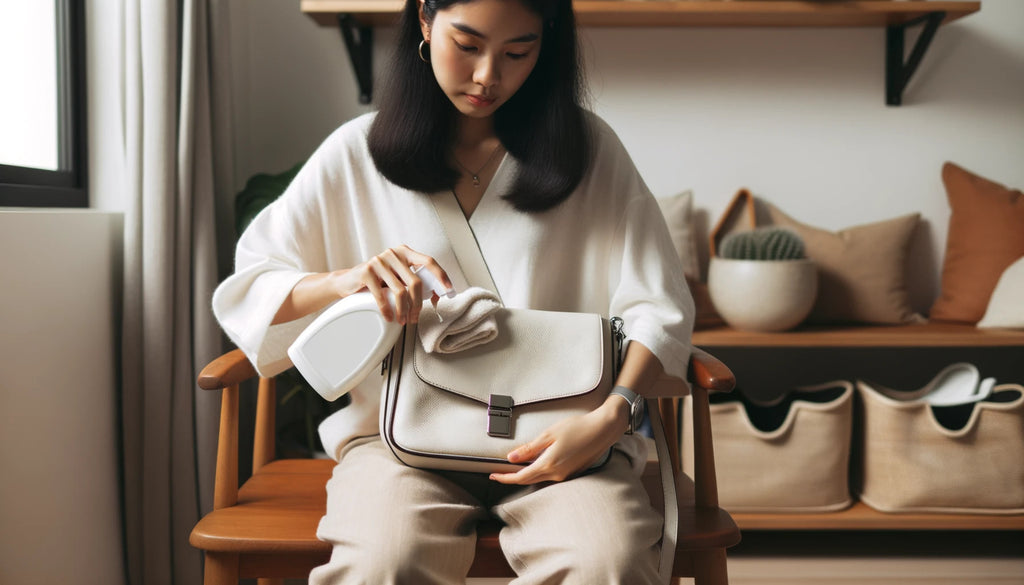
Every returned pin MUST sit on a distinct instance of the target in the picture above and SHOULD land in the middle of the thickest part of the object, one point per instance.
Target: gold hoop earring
(424, 58)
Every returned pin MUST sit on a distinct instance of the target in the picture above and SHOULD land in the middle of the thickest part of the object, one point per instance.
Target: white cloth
(604, 250)
(459, 323)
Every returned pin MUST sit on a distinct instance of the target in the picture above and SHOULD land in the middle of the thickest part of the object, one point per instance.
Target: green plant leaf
(260, 190)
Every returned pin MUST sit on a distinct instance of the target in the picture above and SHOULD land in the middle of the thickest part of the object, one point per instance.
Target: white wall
(60, 516)
(799, 117)
(60, 520)
(796, 115)
(292, 84)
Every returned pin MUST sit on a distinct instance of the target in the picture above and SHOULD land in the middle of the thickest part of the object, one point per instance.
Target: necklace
(476, 175)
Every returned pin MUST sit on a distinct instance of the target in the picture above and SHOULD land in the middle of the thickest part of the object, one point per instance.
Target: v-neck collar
(499, 183)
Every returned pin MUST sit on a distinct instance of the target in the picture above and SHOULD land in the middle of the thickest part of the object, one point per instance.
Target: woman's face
(482, 52)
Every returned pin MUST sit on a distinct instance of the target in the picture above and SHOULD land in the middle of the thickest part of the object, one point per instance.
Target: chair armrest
(226, 373)
(705, 371)
(708, 372)
(228, 370)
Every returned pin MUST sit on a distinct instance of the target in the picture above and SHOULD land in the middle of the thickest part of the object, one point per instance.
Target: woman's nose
(488, 72)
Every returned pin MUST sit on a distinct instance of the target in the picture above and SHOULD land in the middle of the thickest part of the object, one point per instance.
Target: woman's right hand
(391, 271)
(388, 271)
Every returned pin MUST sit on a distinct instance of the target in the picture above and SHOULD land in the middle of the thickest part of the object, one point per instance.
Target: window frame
(67, 186)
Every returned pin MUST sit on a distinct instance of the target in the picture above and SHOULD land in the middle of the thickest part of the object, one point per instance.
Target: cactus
(766, 243)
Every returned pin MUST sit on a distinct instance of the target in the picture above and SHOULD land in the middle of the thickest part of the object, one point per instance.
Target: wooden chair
(267, 528)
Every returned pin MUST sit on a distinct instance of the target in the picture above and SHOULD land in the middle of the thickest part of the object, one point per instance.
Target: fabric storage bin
(790, 455)
(965, 458)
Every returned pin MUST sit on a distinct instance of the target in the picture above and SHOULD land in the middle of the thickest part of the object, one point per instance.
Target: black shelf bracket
(898, 73)
(359, 42)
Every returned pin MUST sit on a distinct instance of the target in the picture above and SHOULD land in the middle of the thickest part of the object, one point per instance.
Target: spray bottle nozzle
(431, 285)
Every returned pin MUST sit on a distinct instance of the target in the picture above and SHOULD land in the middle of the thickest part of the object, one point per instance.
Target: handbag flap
(537, 356)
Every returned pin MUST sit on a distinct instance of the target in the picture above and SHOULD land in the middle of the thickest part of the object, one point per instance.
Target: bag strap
(670, 529)
(463, 241)
(474, 268)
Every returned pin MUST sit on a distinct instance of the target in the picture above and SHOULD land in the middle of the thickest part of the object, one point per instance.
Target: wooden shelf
(924, 335)
(356, 19)
(759, 13)
(668, 13)
(862, 517)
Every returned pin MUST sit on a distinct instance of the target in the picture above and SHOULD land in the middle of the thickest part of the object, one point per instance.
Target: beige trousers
(393, 524)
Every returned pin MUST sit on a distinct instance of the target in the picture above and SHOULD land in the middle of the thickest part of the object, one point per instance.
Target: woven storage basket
(800, 465)
(960, 459)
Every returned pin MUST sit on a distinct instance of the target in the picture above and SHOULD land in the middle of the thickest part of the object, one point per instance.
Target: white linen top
(605, 250)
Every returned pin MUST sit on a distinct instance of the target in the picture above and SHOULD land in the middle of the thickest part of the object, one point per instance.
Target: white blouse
(604, 250)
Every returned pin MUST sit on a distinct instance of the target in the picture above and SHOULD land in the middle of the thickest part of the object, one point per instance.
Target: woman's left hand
(569, 446)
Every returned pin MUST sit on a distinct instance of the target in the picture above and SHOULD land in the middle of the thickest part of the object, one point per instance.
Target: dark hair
(543, 125)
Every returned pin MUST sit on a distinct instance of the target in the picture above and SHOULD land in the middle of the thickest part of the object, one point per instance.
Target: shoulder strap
(463, 242)
(670, 527)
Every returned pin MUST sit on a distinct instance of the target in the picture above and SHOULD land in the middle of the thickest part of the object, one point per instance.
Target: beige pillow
(861, 269)
(678, 212)
(1006, 305)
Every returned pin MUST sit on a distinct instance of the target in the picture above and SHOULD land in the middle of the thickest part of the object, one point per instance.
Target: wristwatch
(636, 407)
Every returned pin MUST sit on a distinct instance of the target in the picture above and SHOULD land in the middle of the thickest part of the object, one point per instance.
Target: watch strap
(631, 398)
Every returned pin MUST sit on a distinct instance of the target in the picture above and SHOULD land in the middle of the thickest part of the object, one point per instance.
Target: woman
(484, 101)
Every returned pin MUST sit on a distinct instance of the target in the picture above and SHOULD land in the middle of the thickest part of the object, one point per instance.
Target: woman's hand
(390, 271)
(386, 272)
(570, 445)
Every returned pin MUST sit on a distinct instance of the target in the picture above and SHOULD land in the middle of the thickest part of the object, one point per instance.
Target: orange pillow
(986, 235)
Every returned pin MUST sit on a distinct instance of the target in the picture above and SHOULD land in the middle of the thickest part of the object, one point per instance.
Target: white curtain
(170, 271)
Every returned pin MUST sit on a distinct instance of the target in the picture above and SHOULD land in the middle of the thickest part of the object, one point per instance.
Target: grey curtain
(170, 271)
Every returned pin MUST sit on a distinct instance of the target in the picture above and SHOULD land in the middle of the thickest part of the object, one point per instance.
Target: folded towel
(459, 323)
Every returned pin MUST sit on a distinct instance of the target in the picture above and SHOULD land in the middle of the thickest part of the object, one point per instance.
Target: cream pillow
(861, 269)
(678, 212)
(1006, 305)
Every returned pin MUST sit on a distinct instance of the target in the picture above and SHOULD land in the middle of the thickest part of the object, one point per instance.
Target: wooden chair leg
(709, 568)
(220, 569)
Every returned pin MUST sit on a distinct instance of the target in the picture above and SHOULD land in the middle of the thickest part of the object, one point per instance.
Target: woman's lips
(479, 101)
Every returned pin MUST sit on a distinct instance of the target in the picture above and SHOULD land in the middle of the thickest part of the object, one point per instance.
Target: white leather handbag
(465, 411)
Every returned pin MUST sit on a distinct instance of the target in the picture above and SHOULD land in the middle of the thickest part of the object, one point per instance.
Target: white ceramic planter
(762, 295)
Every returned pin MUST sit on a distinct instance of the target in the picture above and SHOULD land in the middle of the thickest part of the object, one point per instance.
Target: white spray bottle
(350, 339)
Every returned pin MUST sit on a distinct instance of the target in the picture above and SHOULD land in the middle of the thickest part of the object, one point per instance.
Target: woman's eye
(465, 48)
(516, 56)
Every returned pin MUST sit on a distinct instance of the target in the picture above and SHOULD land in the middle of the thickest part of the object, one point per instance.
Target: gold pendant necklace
(476, 176)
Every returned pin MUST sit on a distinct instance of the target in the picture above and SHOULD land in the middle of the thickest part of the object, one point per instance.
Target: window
(42, 104)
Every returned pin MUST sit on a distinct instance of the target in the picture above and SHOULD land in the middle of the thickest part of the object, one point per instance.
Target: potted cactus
(761, 280)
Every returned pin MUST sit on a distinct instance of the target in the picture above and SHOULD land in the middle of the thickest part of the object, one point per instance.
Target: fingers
(530, 451)
(390, 272)
(566, 448)
(372, 284)
(535, 472)
(417, 259)
(405, 286)
(543, 467)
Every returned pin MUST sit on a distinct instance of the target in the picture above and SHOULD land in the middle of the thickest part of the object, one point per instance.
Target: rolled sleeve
(650, 291)
(245, 306)
(283, 244)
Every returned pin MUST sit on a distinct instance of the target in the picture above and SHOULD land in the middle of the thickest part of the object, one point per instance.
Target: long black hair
(543, 125)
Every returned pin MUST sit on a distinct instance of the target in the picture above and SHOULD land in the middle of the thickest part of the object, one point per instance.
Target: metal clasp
(499, 415)
(618, 337)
